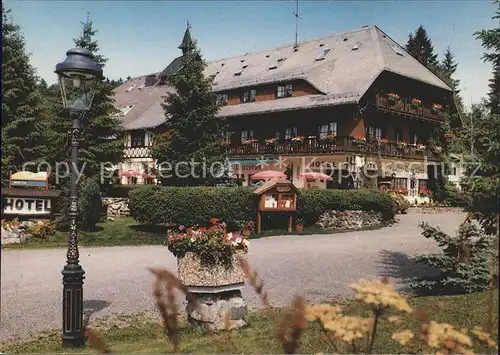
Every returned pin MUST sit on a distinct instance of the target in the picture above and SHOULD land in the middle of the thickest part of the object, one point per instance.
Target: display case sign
(276, 196)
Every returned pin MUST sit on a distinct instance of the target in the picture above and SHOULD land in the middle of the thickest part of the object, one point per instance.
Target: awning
(130, 173)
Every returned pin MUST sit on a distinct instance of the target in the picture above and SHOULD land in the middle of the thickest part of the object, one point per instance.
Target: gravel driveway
(321, 267)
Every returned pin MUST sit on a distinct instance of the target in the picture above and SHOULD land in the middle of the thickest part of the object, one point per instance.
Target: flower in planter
(383, 140)
(212, 245)
(425, 192)
(401, 144)
(437, 149)
(437, 107)
(416, 102)
(359, 140)
(226, 143)
(270, 140)
(249, 141)
(298, 139)
(420, 147)
(328, 138)
(393, 96)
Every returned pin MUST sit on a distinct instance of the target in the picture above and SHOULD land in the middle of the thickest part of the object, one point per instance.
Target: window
(290, 132)
(241, 71)
(374, 132)
(284, 91)
(396, 49)
(400, 183)
(328, 129)
(149, 181)
(137, 138)
(222, 99)
(131, 180)
(130, 87)
(399, 135)
(249, 95)
(279, 61)
(422, 184)
(278, 135)
(323, 54)
(356, 46)
(246, 135)
(226, 136)
(415, 139)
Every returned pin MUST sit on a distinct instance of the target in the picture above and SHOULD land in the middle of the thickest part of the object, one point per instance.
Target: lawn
(257, 338)
(120, 232)
(125, 231)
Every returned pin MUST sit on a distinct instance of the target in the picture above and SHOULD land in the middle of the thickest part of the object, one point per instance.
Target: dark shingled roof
(173, 67)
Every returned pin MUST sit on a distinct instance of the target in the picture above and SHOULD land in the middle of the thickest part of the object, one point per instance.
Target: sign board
(29, 179)
(27, 206)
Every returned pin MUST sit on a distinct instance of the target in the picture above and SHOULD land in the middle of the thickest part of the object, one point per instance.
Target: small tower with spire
(186, 40)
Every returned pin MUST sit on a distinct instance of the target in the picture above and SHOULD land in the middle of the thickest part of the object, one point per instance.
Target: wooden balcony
(137, 152)
(404, 107)
(311, 146)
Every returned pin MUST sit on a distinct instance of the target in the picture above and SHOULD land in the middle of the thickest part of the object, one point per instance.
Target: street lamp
(78, 76)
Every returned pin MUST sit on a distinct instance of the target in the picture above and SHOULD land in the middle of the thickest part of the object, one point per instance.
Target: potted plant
(359, 140)
(437, 149)
(436, 108)
(330, 138)
(298, 139)
(420, 147)
(249, 141)
(416, 102)
(401, 144)
(207, 257)
(299, 227)
(270, 141)
(226, 143)
(393, 97)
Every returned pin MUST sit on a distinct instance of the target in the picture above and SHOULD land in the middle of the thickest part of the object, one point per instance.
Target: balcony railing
(405, 107)
(340, 145)
(137, 152)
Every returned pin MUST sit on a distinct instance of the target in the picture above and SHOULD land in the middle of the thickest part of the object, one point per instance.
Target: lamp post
(78, 76)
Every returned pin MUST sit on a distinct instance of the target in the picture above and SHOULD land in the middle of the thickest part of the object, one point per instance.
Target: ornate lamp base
(73, 328)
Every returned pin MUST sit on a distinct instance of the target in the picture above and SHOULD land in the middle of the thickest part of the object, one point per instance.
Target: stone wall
(15, 235)
(349, 220)
(115, 206)
(435, 209)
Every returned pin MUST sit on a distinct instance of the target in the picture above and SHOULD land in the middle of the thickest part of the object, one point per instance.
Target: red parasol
(268, 174)
(130, 172)
(315, 176)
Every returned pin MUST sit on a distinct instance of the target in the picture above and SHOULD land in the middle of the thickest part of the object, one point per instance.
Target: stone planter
(14, 236)
(217, 289)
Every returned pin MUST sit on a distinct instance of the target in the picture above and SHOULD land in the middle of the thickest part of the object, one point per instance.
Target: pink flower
(182, 228)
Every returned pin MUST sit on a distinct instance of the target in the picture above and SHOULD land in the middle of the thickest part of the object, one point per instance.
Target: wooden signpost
(276, 195)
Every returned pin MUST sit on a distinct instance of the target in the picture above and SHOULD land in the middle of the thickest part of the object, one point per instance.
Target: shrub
(191, 205)
(119, 191)
(196, 205)
(90, 205)
(453, 197)
(312, 204)
(463, 266)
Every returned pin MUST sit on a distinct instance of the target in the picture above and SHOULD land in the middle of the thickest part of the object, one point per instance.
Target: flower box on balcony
(382, 141)
(393, 97)
(436, 108)
(416, 102)
(359, 140)
(226, 143)
(420, 147)
(401, 145)
(270, 141)
(437, 149)
(250, 141)
(330, 138)
(298, 139)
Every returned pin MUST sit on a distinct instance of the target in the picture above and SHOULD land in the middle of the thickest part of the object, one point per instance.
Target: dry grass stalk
(292, 326)
(257, 284)
(96, 343)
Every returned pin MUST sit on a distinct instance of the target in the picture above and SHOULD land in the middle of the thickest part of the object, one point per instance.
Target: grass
(462, 311)
(125, 231)
(122, 231)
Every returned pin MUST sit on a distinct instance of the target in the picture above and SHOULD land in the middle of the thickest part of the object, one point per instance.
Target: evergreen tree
(448, 67)
(490, 40)
(194, 132)
(22, 124)
(102, 135)
(420, 47)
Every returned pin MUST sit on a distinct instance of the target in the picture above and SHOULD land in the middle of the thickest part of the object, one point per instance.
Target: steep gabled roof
(352, 62)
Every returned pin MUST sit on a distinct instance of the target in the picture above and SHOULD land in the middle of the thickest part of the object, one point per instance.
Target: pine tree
(490, 40)
(102, 135)
(22, 124)
(420, 47)
(448, 68)
(192, 126)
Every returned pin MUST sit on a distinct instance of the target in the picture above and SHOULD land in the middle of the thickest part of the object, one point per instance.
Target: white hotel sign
(29, 206)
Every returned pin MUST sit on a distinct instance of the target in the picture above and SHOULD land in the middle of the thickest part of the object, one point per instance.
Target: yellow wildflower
(439, 334)
(381, 295)
(322, 312)
(403, 337)
(484, 337)
(348, 328)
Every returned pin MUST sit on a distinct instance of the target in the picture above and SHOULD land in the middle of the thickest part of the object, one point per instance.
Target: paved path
(320, 267)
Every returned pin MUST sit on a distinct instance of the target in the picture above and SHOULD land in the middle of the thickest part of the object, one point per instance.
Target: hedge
(196, 205)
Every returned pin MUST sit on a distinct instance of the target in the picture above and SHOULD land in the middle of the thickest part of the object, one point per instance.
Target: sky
(141, 37)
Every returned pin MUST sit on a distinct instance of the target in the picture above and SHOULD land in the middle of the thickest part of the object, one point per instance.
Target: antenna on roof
(297, 17)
